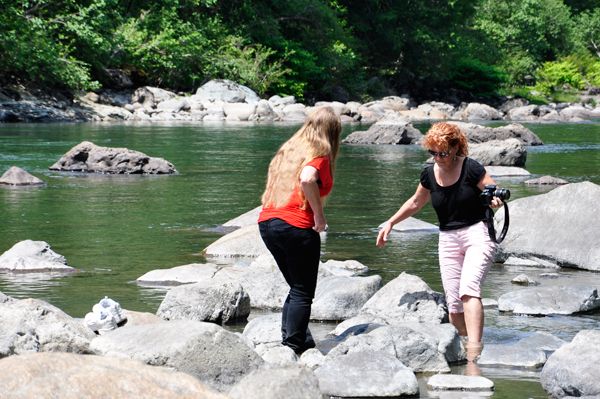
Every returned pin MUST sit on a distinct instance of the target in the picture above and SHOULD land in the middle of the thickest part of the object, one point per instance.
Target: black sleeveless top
(458, 205)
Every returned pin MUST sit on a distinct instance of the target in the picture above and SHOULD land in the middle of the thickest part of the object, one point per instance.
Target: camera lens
(502, 193)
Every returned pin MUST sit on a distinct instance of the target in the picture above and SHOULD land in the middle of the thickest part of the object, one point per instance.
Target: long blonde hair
(318, 137)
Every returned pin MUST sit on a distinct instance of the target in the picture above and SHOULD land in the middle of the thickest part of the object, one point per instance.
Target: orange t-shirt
(292, 212)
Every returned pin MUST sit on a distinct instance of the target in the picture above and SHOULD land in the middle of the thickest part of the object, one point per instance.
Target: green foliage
(477, 77)
(554, 75)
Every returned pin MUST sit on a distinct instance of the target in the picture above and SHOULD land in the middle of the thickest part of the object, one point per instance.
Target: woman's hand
(383, 234)
(496, 203)
(320, 223)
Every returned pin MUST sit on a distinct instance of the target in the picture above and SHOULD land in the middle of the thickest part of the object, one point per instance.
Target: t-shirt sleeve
(425, 178)
(475, 171)
(322, 165)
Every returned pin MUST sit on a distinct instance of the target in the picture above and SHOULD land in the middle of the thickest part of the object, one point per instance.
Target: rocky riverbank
(223, 100)
(388, 338)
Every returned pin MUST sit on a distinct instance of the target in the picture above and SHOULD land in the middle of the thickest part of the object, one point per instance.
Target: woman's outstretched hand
(383, 235)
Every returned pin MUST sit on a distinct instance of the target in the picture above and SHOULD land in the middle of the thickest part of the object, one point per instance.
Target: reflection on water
(117, 228)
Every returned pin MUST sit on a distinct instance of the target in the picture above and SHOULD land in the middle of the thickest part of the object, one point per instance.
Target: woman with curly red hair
(453, 184)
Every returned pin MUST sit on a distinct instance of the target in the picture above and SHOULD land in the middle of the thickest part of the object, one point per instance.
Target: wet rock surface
(31, 256)
(16, 176)
(540, 301)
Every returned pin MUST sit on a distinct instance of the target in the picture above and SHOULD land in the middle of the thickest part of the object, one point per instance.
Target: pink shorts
(466, 256)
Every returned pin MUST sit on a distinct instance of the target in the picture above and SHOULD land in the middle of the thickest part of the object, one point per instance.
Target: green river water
(116, 228)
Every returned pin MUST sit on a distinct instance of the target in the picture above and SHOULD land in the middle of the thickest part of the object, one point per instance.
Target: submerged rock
(366, 374)
(572, 370)
(545, 180)
(552, 227)
(31, 255)
(88, 157)
(72, 376)
(216, 357)
(185, 274)
(511, 356)
(542, 301)
(16, 176)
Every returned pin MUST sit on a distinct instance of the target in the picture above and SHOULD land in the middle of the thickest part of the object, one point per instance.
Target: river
(116, 228)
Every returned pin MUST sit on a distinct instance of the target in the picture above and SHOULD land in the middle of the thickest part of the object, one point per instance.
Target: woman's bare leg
(473, 317)
(458, 321)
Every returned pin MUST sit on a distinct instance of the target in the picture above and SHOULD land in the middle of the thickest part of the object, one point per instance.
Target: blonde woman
(300, 178)
(453, 185)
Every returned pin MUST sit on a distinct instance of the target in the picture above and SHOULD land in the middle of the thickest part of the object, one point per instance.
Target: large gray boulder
(509, 152)
(216, 301)
(561, 226)
(228, 91)
(186, 274)
(525, 113)
(573, 369)
(31, 255)
(338, 298)
(16, 176)
(392, 128)
(174, 105)
(577, 111)
(407, 298)
(241, 111)
(32, 325)
(479, 134)
(366, 374)
(419, 346)
(289, 381)
(216, 357)
(542, 301)
(480, 112)
(514, 103)
(88, 157)
(72, 376)
(265, 284)
(249, 218)
(149, 96)
(244, 242)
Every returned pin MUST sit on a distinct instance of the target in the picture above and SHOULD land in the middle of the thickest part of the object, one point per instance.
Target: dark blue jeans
(297, 252)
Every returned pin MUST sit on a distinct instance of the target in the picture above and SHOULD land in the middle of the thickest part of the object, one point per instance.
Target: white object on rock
(112, 307)
(102, 321)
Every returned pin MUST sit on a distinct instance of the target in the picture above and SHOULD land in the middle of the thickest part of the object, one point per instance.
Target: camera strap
(489, 214)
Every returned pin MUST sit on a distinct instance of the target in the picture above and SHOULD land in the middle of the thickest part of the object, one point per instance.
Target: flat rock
(413, 225)
(351, 265)
(506, 171)
(185, 274)
(541, 341)
(133, 318)
(16, 176)
(88, 157)
(214, 356)
(216, 301)
(572, 370)
(511, 356)
(542, 301)
(264, 329)
(289, 381)
(31, 255)
(339, 298)
(530, 261)
(366, 374)
(407, 298)
(32, 325)
(244, 242)
(72, 376)
(549, 227)
(545, 180)
(249, 218)
(452, 382)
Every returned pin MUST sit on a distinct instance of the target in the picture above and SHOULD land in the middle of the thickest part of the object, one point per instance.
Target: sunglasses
(439, 154)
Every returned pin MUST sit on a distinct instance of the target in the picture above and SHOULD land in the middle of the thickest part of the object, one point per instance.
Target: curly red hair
(444, 136)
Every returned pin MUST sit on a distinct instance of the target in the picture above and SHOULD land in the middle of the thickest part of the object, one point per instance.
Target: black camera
(492, 191)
